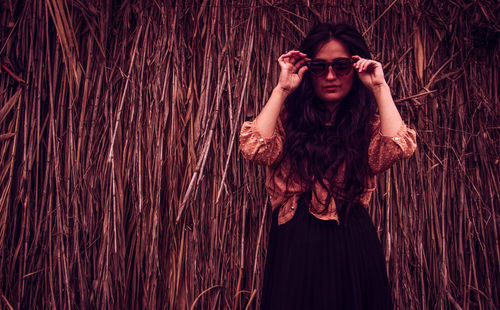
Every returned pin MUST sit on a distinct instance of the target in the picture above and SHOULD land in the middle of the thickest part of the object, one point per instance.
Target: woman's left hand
(370, 72)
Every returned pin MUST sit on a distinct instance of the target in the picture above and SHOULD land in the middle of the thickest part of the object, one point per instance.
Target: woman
(323, 143)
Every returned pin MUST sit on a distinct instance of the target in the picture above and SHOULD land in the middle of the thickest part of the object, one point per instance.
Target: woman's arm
(265, 122)
(390, 120)
(395, 141)
(261, 140)
(291, 75)
(372, 76)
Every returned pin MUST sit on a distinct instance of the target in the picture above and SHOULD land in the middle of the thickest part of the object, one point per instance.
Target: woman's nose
(331, 74)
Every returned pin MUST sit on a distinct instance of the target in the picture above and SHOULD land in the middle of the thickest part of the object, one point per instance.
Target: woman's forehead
(331, 50)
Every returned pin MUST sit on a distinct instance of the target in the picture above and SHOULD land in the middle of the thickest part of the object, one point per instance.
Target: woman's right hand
(292, 70)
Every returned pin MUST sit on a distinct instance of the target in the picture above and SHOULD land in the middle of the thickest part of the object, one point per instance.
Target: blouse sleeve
(384, 151)
(261, 150)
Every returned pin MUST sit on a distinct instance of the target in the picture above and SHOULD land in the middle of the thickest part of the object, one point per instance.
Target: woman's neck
(332, 108)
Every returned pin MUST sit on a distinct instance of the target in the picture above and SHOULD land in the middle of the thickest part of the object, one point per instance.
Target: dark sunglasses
(341, 66)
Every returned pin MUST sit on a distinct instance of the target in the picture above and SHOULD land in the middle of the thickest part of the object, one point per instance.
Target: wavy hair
(317, 151)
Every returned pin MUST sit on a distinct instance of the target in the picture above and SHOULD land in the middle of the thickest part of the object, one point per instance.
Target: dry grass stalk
(121, 184)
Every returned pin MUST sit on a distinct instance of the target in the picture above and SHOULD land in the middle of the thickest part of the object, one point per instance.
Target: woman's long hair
(317, 151)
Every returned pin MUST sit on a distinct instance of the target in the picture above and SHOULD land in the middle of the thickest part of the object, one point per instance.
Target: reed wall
(121, 184)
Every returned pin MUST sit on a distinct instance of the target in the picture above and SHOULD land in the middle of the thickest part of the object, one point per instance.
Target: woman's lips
(332, 87)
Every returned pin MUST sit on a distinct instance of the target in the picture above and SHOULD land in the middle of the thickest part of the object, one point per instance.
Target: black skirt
(319, 264)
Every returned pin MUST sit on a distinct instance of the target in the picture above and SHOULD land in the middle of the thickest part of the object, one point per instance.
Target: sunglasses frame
(328, 65)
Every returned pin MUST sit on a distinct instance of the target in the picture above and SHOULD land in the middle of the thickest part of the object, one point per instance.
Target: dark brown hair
(317, 151)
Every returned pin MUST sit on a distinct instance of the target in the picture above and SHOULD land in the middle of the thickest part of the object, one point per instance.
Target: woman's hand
(370, 72)
(292, 70)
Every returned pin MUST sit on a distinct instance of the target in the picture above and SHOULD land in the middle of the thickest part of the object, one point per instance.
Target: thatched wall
(121, 184)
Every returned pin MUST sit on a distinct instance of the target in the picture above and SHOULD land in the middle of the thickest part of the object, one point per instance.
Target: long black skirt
(319, 264)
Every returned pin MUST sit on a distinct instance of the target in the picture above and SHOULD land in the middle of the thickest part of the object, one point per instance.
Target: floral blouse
(383, 152)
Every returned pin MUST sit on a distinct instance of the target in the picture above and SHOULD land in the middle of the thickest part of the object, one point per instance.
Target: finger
(364, 65)
(359, 64)
(296, 55)
(291, 53)
(357, 61)
(300, 63)
(284, 63)
(294, 52)
(295, 58)
(291, 57)
(299, 59)
(285, 58)
(356, 58)
(369, 65)
(302, 71)
(285, 55)
(281, 60)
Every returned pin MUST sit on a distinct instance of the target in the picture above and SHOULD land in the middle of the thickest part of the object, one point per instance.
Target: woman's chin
(330, 99)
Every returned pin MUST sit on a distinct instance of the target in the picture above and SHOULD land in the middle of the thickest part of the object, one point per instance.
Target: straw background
(121, 183)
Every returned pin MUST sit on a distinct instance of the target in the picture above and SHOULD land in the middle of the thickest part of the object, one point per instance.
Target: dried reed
(121, 184)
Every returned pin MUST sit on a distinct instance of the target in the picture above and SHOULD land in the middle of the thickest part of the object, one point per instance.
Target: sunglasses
(341, 66)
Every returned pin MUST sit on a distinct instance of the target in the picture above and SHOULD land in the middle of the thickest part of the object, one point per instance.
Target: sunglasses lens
(341, 66)
(318, 67)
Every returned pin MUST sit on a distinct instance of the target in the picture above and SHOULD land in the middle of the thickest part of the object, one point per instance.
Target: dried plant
(121, 183)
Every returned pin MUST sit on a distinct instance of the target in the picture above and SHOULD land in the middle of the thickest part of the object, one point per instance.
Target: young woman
(323, 142)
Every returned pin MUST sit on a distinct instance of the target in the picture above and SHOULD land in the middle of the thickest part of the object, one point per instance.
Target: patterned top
(383, 152)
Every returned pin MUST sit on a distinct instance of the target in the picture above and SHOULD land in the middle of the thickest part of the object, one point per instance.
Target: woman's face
(332, 88)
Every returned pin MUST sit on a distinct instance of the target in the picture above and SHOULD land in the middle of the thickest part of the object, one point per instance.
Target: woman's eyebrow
(332, 59)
